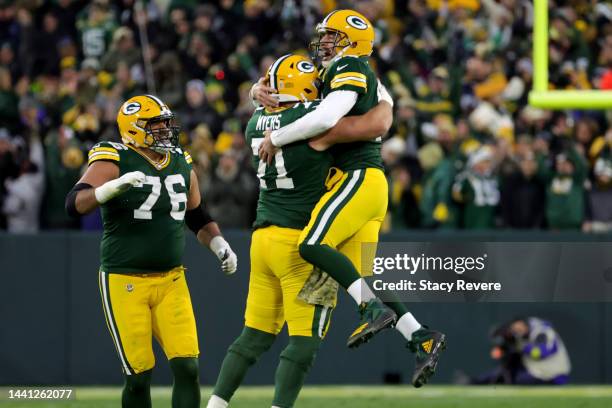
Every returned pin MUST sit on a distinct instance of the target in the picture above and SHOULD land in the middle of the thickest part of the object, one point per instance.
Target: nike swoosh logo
(175, 279)
(342, 67)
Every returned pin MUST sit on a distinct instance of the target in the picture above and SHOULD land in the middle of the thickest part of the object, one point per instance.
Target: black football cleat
(427, 345)
(375, 316)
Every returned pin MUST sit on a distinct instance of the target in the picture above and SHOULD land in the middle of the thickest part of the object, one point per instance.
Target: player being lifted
(289, 190)
(355, 207)
(148, 192)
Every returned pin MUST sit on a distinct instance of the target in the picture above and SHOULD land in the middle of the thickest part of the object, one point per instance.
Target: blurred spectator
(9, 100)
(599, 205)
(231, 194)
(8, 62)
(438, 160)
(403, 189)
(198, 111)
(9, 25)
(24, 192)
(63, 161)
(585, 131)
(122, 49)
(168, 75)
(433, 96)
(565, 204)
(522, 192)
(477, 190)
(96, 26)
(8, 168)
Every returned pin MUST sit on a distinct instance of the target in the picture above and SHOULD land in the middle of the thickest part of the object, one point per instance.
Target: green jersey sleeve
(354, 74)
(348, 74)
(106, 151)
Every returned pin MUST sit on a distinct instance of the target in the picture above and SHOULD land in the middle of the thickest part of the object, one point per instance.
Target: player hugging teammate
(289, 239)
(281, 282)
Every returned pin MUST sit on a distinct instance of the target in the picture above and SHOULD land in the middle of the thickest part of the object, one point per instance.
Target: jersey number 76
(176, 199)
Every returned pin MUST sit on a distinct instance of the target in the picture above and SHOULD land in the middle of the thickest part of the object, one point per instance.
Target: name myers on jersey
(268, 123)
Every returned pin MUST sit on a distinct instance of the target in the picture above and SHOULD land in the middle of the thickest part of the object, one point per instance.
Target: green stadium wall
(53, 330)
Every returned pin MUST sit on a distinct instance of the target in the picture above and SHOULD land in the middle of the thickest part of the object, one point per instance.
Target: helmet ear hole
(293, 76)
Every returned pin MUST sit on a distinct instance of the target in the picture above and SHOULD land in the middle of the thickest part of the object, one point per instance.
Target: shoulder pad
(348, 71)
(108, 151)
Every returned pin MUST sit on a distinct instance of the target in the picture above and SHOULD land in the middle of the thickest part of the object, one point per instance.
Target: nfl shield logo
(129, 287)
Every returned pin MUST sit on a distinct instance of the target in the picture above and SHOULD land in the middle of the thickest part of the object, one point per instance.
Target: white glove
(113, 188)
(229, 260)
(383, 94)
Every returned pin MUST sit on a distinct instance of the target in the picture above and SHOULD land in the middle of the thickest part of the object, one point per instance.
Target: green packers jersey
(354, 74)
(292, 185)
(144, 227)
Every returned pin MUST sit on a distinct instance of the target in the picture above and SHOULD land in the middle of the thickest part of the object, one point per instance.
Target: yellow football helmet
(353, 35)
(295, 78)
(136, 119)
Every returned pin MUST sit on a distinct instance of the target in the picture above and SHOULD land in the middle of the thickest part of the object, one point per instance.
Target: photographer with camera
(530, 352)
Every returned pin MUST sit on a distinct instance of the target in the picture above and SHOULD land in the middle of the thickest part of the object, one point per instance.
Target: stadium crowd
(465, 151)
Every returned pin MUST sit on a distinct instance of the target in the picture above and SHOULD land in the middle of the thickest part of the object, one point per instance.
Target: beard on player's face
(328, 43)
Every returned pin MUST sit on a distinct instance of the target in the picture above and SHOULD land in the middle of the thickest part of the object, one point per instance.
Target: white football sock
(360, 291)
(407, 325)
(216, 402)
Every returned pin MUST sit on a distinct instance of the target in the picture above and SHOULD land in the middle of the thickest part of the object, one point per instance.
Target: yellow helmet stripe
(274, 69)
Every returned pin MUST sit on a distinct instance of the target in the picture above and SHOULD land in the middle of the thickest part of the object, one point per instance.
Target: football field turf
(370, 397)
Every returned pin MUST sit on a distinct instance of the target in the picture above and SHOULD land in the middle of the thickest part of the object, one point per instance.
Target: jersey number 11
(282, 181)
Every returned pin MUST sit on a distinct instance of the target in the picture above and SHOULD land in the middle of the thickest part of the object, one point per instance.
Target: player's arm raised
(206, 229)
(99, 184)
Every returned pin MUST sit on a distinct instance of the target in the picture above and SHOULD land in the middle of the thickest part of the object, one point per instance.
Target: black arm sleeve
(196, 218)
(70, 204)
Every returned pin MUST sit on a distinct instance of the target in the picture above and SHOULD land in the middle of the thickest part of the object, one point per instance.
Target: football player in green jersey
(289, 190)
(356, 206)
(148, 192)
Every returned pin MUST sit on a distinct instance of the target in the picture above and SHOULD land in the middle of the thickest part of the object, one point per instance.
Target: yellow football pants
(278, 273)
(138, 307)
(349, 216)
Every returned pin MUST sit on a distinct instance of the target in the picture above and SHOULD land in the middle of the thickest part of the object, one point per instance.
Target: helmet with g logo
(137, 119)
(295, 78)
(354, 34)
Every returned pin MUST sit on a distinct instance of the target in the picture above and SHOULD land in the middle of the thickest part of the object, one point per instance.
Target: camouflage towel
(319, 289)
